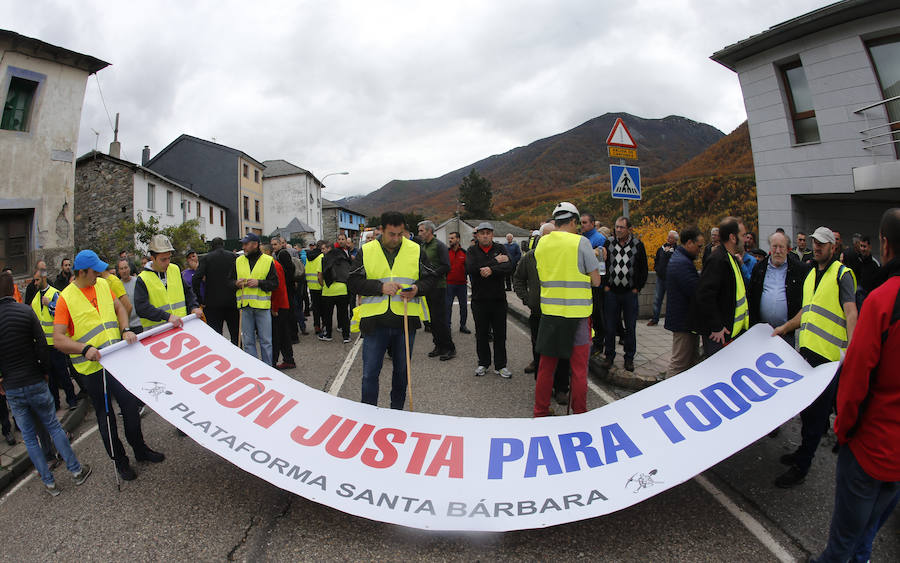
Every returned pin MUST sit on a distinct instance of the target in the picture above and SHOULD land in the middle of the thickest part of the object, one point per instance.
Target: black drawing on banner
(155, 388)
(643, 480)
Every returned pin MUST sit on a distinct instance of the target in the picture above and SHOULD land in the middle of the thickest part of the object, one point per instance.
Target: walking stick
(240, 322)
(406, 341)
(109, 431)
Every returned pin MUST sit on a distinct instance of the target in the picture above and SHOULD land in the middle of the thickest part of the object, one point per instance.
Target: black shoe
(606, 363)
(788, 459)
(790, 478)
(149, 455)
(435, 353)
(531, 368)
(10, 439)
(125, 470)
(562, 397)
(451, 353)
(464, 330)
(629, 365)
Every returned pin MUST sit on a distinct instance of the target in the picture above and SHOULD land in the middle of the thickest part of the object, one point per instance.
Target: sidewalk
(14, 460)
(654, 349)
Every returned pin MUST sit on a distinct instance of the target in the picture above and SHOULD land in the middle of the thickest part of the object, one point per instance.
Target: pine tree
(475, 192)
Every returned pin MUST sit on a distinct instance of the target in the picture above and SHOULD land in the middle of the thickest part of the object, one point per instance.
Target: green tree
(475, 192)
(134, 236)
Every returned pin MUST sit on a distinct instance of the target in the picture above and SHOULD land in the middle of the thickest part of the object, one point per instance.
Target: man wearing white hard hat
(568, 269)
(160, 293)
(824, 328)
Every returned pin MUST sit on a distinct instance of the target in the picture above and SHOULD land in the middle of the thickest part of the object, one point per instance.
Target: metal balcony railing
(873, 140)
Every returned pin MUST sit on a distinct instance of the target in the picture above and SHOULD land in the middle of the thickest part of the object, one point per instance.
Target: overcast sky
(394, 89)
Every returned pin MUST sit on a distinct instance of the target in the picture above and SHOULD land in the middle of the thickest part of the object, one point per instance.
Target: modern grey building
(822, 93)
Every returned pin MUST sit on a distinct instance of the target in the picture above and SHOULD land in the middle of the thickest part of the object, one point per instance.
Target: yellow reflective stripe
(373, 299)
(741, 301)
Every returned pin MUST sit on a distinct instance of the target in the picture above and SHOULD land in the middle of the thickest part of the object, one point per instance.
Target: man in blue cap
(253, 280)
(89, 318)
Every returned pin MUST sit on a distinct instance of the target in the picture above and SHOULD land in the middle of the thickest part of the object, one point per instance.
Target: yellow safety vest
(253, 296)
(354, 320)
(741, 310)
(405, 272)
(823, 326)
(43, 312)
(169, 297)
(335, 289)
(313, 267)
(99, 328)
(565, 291)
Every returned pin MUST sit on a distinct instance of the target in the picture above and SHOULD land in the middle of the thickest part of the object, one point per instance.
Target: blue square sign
(626, 181)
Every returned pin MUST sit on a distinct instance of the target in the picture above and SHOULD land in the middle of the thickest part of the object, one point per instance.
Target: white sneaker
(504, 373)
(52, 489)
(481, 370)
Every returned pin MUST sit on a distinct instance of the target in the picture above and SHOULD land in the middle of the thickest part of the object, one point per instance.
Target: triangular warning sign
(626, 185)
(620, 137)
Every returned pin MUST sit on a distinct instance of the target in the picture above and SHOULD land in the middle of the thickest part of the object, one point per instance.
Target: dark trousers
(131, 417)
(299, 315)
(440, 328)
(303, 297)
(597, 318)
(315, 297)
(5, 425)
(459, 292)
(624, 304)
(814, 419)
(59, 378)
(329, 304)
(375, 344)
(861, 504)
(293, 327)
(216, 317)
(490, 320)
(281, 337)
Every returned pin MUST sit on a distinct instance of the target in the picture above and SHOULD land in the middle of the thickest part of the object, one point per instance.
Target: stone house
(43, 87)
(290, 192)
(337, 219)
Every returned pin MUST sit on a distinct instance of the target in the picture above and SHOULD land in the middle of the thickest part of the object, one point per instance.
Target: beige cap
(824, 235)
(161, 243)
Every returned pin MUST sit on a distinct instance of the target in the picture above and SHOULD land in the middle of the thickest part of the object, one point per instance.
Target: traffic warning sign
(626, 181)
(619, 136)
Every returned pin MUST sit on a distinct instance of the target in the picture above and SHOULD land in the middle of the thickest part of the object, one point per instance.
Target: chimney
(115, 147)
(145, 155)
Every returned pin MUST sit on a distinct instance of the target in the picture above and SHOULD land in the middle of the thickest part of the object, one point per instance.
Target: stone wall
(104, 197)
(645, 299)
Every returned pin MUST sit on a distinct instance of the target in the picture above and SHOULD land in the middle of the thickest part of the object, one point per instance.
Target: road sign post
(626, 180)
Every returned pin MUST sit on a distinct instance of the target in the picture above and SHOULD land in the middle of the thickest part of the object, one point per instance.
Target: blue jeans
(374, 346)
(616, 305)
(658, 299)
(35, 401)
(860, 501)
(457, 292)
(257, 322)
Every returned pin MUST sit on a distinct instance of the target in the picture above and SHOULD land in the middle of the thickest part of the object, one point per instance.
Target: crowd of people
(579, 280)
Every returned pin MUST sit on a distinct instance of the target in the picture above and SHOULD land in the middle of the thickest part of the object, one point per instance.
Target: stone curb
(69, 422)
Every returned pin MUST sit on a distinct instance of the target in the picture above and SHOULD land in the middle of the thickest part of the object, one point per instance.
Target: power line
(108, 118)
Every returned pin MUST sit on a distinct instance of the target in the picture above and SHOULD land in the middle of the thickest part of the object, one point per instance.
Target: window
(351, 218)
(18, 103)
(189, 207)
(885, 55)
(210, 215)
(198, 208)
(14, 228)
(151, 197)
(256, 176)
(221, 218)
(246, 171)
(169, 204)
(310, 199)
(806, 129)
(246, 208)
(256, 209)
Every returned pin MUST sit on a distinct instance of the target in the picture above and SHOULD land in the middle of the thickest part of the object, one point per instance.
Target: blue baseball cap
(250, 237)
(88, 259)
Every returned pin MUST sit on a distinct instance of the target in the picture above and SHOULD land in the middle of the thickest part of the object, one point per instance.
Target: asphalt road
(197, 506)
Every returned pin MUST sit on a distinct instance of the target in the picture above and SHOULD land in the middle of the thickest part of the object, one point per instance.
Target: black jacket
(61, 281)
(681, 285)
(215, 269)
(663, 255)
(284, 258)
(713, 307)
(493, 286)
(793, 286)
(336, 266)
(24, 356)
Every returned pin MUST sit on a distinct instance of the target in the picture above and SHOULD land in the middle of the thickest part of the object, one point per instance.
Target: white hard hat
(565, 210)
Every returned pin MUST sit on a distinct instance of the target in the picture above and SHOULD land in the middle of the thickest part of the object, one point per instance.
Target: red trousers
(543, 390)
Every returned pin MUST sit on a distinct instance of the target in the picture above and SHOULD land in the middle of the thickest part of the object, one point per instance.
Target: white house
(172, 204)
(290, 192)
(822, 93)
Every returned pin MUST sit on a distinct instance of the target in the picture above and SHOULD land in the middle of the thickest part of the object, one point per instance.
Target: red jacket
(457, 274)
(279, 296)
(875, 442)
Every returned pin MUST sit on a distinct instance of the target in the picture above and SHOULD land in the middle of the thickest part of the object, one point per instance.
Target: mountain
(549, 168)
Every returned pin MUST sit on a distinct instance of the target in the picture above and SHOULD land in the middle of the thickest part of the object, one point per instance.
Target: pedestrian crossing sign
(626, 181)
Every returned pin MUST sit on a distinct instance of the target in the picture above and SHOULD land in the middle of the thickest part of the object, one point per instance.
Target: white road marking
(345, 368)
(34, 472)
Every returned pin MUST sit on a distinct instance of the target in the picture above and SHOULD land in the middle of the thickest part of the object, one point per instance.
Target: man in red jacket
(868, 414)
(456, 281)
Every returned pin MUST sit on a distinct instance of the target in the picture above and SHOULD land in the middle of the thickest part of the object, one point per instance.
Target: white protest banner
(453, 473)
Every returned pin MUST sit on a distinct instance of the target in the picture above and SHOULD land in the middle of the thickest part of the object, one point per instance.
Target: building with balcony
(227, 177)
(42, 87)
(338, 219)
(109, 190)
(291, 193)
(822, 93)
